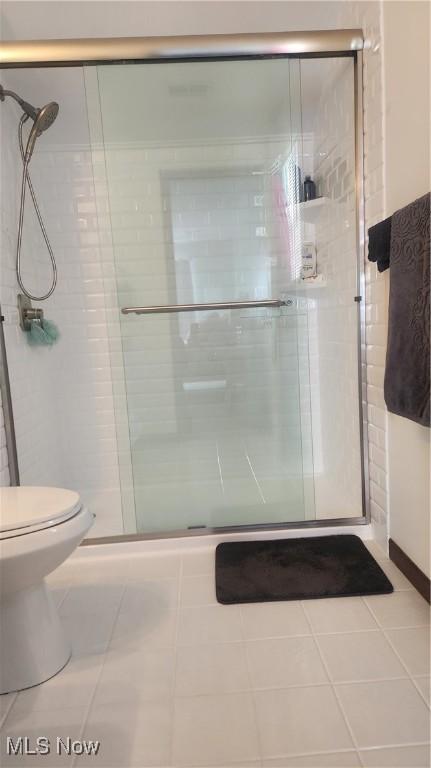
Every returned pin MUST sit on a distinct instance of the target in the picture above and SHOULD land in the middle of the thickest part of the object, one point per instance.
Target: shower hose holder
(27, 313)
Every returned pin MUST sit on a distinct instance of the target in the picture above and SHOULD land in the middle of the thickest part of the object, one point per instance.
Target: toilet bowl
(39, 529)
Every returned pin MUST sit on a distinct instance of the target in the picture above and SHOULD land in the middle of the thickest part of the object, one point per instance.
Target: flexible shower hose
(27, 180)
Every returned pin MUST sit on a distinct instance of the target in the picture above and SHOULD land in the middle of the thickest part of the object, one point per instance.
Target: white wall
(406, 43)
(44, 20)
(63, 397)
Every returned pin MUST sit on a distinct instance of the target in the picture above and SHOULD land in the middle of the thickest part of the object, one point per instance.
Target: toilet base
(32, 644)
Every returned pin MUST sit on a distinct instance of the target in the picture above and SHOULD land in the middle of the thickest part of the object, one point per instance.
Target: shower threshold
(203, 536)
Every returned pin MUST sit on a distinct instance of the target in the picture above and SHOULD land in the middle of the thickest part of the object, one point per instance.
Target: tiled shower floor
(164, 676)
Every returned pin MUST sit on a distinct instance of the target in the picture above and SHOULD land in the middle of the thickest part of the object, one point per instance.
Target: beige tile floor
(164, 676)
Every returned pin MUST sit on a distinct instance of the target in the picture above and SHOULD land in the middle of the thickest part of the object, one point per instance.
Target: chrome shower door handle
(169, 308)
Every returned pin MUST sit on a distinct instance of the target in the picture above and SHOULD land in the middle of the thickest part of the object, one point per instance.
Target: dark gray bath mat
(297, 569)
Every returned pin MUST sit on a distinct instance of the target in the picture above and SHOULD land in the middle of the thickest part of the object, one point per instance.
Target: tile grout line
(338, 700)
(251, 690)
(175, 659)
(6, 714)
(325, 752)
(102, 666)
(397, 746)
(287, 687)
(410, 675)
(13, 703)
(340, 707)
(66, 592)
(346, 751)
(420, 692)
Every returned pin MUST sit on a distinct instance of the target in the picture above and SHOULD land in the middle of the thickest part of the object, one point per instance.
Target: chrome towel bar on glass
(158, 310)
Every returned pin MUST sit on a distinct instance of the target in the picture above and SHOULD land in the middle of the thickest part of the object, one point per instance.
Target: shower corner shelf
(299, 286)
(311, 282)
(310, 210)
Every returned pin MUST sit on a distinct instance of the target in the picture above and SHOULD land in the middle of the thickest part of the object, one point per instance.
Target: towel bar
(156, 310)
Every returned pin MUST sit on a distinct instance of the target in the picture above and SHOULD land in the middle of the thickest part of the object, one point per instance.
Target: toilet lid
(26, 506)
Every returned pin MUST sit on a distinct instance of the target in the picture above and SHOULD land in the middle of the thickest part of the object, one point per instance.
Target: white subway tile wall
(334, 317)
(62, 396)
(367, 15)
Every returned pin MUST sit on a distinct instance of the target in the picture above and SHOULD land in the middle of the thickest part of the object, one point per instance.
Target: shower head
(42, 118)
(45, 117)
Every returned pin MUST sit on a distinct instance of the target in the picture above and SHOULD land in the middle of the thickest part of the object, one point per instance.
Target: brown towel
(407, 374)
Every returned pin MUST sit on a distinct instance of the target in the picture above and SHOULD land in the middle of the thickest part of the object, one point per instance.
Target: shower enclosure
(211, 317)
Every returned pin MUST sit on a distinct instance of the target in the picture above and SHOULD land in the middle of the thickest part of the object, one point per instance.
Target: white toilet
(39, 529)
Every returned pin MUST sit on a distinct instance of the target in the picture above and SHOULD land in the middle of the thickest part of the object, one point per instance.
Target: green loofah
(42, 334)
(51, 330)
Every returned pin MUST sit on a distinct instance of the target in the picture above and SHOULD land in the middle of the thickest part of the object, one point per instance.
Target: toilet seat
(24, 510)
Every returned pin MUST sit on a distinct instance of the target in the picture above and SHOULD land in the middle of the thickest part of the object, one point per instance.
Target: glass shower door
(200, 166)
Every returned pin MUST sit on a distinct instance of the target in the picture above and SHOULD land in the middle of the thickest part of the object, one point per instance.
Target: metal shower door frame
(315, 44)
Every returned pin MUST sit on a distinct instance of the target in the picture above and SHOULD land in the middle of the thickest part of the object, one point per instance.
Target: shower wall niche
(172, 184)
